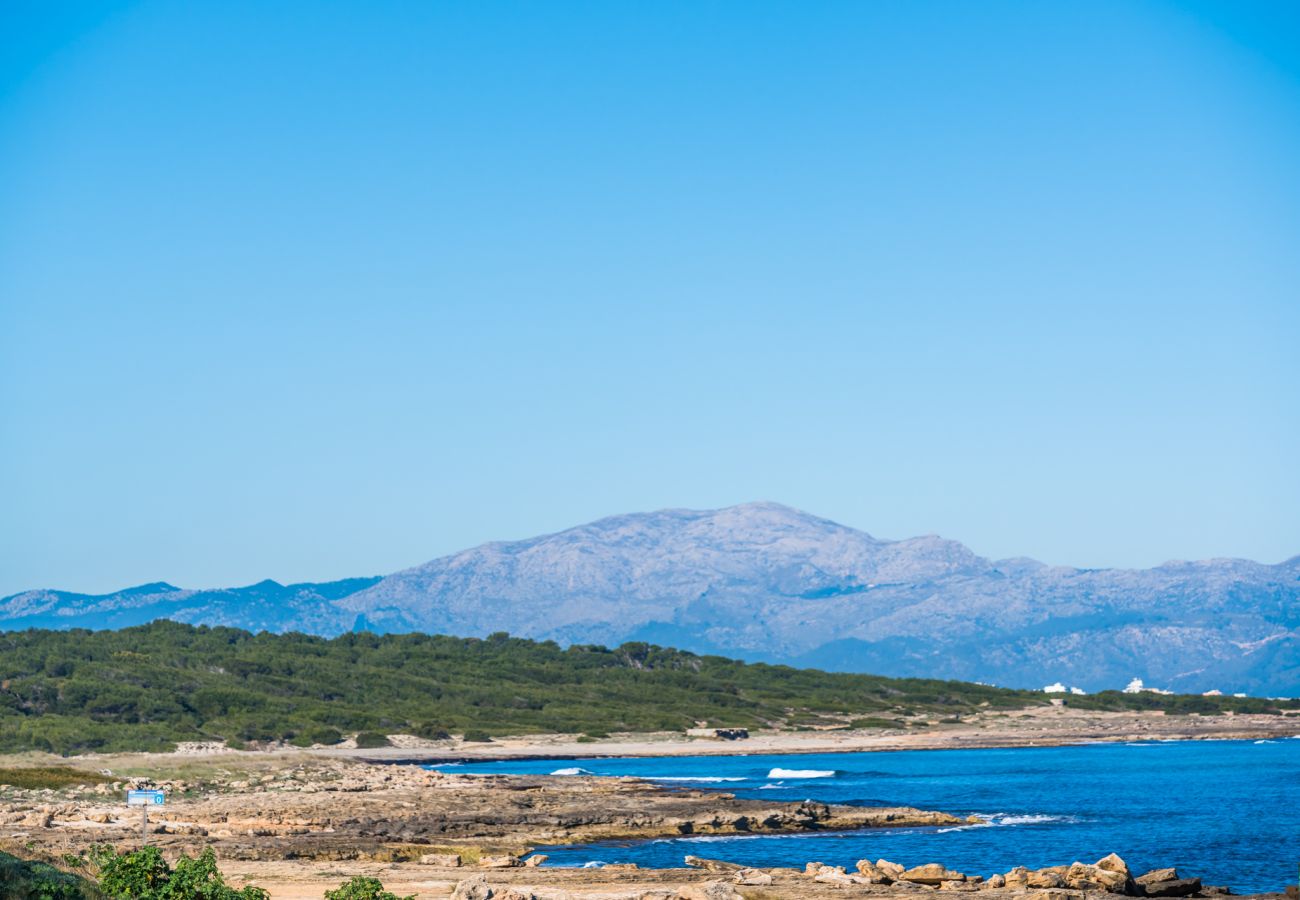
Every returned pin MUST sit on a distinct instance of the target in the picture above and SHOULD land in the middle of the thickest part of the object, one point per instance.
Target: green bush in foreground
(363, 888)
(25, 879)
(144, 875)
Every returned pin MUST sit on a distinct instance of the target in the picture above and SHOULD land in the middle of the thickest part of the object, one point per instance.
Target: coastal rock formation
(930, 873)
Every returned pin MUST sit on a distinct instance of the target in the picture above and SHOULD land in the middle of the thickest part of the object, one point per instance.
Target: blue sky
(323, 290)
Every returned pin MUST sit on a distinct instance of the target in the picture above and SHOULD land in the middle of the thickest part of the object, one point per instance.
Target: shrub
(369, 740)
(25, 879)
(477, 736)
(144, 875)
(363, 888)
(429, 731)
(324, 735)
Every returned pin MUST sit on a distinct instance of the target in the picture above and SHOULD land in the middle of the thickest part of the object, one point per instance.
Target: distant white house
(1136, 686)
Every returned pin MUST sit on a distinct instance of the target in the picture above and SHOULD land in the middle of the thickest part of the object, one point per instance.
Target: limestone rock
(499, 862)
(997, 881)
(450, 860)
(1094, 878)
(873, 873)
(1177, 887)
(892, 869)
(712, 865)
(755, 877)
(475, 888)
(930, 873)
(1050, 877)
(708, 890)
(1016, 878)
(1158, 875)
(536, 860)
(1113, 863)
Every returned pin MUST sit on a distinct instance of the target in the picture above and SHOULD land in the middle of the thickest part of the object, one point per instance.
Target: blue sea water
(1228, 811)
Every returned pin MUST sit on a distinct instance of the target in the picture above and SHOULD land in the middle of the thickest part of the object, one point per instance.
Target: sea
(1227, 811)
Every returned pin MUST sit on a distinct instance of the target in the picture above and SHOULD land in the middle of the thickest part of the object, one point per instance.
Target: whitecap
(575, 770)
(711, 779)
(1031, 819)
(1265, 742)
(802, 773)
(594, 864)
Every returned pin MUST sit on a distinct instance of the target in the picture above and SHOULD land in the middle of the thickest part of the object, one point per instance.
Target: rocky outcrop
(930, 873)
(1167, 883)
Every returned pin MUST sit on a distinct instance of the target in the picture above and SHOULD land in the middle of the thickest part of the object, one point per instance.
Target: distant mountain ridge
(763, 581)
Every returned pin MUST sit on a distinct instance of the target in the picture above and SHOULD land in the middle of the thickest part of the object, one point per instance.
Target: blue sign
(144, 798)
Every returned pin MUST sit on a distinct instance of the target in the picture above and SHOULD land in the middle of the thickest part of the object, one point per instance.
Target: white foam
(1265, 742)
(1003, 820)
(594, 864)
(710, 779)
(571, 771)
(801, 773)
(1031, 820)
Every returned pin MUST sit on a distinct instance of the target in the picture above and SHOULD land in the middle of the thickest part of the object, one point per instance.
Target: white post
(144, 825)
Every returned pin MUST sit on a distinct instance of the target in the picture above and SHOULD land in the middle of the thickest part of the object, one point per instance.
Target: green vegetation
(144, 875)
(363, 888)
(27, 879)
(53, 777)
(369, 740)
(144, 688)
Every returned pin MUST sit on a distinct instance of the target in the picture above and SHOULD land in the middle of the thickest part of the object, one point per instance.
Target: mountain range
(765, 582)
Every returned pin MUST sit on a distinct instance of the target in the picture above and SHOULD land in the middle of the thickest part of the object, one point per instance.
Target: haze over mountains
(763, 581)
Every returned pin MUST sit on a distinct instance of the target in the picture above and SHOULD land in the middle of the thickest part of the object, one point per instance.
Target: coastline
(297, 821)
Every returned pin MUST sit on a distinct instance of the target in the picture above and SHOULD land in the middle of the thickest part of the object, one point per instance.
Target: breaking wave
(1006, 820)
(575, 770)
(802, 773)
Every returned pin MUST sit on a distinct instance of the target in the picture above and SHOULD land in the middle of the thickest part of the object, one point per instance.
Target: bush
(25, 879)
(477, 736)
(363, 888)
(324, 735)
(430, 732)
(144, 875)
(369, 740)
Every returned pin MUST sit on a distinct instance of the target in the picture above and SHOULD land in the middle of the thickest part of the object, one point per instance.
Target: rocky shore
(297, 824)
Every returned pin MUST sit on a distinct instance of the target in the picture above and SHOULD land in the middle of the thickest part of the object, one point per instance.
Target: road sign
(144, 798)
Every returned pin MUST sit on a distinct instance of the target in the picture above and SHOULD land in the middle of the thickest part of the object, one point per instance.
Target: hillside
(764, 582)
(145, 687)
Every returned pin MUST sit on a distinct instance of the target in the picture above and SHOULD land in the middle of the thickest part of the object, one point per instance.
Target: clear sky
(312, 290)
